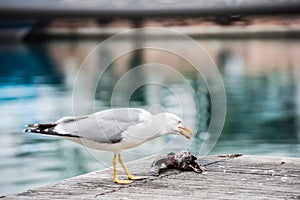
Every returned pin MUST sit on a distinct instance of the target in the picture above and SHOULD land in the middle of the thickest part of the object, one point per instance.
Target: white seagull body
(113, 130)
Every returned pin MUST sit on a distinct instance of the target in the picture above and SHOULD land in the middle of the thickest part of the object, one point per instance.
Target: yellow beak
(183, 133)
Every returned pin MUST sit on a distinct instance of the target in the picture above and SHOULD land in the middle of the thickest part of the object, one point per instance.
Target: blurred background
(41, 52)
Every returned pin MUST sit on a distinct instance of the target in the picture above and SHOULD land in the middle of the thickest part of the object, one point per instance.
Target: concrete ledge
(193, 31)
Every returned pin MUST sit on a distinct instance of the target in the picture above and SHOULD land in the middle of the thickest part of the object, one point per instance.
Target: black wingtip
(26, 130)
(32, 125)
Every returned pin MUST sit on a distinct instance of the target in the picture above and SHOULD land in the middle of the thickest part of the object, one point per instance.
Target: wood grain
(243, 177)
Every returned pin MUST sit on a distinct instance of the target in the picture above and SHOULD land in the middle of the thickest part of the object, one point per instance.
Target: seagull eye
(179, 121)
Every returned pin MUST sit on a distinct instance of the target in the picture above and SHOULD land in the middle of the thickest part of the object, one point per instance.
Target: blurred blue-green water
(261, 77)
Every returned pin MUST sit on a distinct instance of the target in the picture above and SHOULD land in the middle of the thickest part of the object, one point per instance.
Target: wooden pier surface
(227, 177)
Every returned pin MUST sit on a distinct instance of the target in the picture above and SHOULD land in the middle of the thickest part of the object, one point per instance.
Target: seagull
(114, 130)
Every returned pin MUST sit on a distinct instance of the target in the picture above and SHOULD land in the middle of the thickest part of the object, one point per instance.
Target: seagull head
(173, 124)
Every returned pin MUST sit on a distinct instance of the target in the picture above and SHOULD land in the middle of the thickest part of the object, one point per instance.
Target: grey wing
(104, 126)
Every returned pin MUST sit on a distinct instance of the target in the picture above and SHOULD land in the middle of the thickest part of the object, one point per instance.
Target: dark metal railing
(39, 9)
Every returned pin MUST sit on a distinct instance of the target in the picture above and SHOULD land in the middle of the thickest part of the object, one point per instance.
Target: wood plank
(248, 177)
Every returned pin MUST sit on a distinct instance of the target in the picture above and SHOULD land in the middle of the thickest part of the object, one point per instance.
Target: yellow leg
(127, 172)
(116, 180)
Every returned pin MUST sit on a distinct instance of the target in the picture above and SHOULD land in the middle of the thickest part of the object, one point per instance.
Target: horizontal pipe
(50, 10)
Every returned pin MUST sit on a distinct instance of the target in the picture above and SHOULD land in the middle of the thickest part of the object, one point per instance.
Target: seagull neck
(160, 121)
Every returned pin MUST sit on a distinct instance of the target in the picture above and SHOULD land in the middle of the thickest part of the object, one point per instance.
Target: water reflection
(36, 84)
